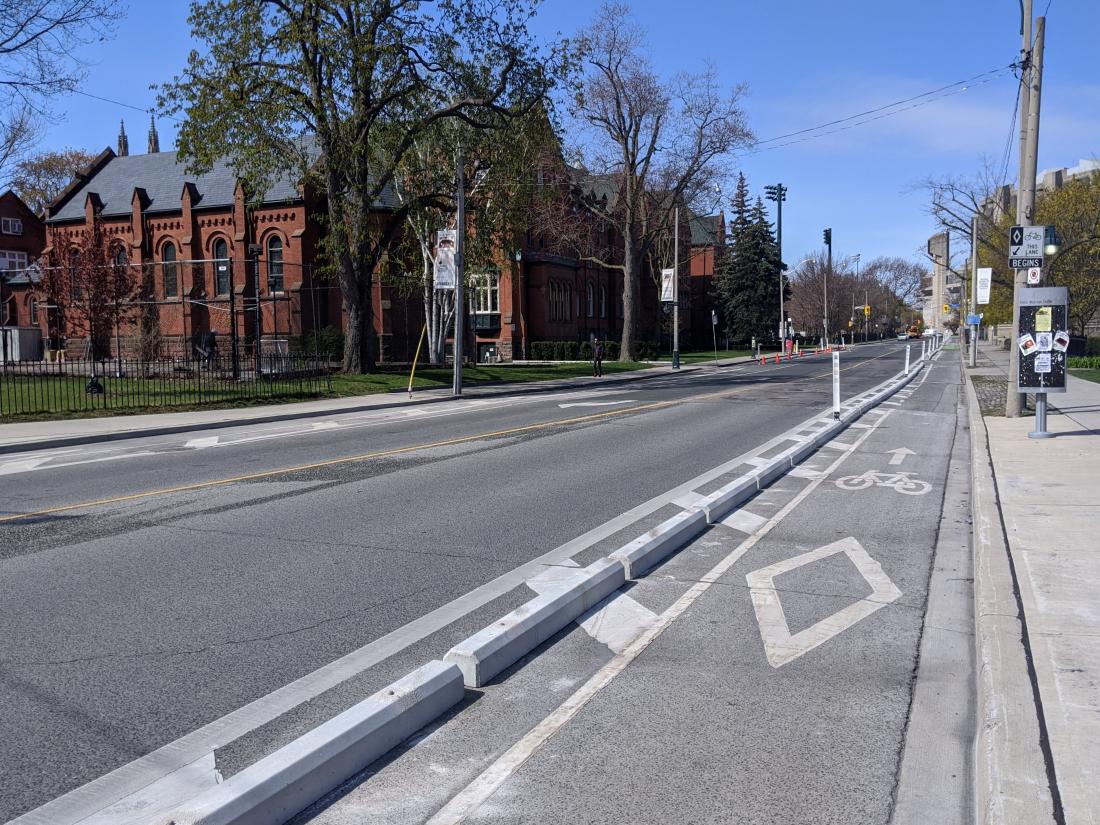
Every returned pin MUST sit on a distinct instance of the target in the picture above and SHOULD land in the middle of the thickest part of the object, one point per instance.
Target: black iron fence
(47, 389)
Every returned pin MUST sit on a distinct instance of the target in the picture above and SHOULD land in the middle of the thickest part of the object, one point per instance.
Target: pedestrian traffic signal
(828, 237)
(946, 309)
(867, 310)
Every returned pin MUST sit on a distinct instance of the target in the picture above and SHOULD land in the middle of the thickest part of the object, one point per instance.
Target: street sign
(1034, 275)
(985, 280)
(445, 242)
(1025, 246)
(973, 319)
(667, 285)
(713, 318)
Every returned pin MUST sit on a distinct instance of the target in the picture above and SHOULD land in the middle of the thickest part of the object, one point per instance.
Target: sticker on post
(1042, 363)
(1044, 341)
(1043, 316)
(1061, 340)
(1026, 343)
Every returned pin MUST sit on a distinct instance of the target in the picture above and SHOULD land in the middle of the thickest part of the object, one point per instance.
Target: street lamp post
(828, 235)
(778, 193)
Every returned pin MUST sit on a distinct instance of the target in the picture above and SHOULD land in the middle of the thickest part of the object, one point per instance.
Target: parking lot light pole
(778, 193)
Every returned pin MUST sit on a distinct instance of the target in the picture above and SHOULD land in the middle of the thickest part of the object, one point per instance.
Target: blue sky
(805, 63)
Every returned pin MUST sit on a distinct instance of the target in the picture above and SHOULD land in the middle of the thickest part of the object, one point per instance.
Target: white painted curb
(287, 781)
(654, 545)
(721, 501)
(501, 644)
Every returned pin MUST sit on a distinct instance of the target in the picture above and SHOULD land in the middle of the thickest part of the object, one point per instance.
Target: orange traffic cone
(777, 358)
(763, 360)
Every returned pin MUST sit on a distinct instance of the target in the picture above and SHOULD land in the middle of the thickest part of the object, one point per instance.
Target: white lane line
(596, 403)
(689, 500)
(467, 801)
(202, 443)
(804, 472)
(838, 445)
(617, 621)
(23, 465)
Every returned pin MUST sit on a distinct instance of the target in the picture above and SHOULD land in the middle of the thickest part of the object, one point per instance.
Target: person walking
(597, 358)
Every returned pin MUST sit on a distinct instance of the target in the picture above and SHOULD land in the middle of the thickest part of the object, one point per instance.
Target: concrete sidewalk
(38, 435)
(1047, 493)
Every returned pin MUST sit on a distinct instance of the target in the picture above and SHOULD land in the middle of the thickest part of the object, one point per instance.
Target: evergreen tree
(748, 282)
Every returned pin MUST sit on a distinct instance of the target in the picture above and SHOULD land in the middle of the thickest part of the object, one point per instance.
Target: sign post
(1025, 246)
(907, 348)
(836, 385)
(714, 334)
(1043, 341)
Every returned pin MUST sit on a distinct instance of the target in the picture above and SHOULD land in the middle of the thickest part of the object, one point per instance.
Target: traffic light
(867, 310)
(946, 309)
(828, 237)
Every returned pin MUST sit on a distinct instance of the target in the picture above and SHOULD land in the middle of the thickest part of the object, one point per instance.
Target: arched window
(568, 302)
(170, 276)
(120, 259)
(76, 291)
(553, 300)
(221, 267)
(603, 301)
(275, 264)
(591, 297)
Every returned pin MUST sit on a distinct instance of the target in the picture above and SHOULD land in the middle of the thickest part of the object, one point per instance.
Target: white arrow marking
(23, 465)
(597, 403)
(202, 443)
(898, 455)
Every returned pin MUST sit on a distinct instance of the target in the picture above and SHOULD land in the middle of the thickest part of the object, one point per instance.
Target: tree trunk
(630, 289)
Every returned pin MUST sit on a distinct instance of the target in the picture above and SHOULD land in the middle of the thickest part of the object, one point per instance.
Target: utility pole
(1014, 403)
(460, 274)
(829, 268)
(778, 193)
(973, 360)
(676, 291)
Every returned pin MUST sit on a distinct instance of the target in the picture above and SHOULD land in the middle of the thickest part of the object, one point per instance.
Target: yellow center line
(542, 425)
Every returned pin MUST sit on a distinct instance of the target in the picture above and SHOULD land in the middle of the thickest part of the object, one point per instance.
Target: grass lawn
(1088, 375)
(54, 397)
(706, 355)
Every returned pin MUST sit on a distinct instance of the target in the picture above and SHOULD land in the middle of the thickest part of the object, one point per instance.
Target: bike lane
(777, 686)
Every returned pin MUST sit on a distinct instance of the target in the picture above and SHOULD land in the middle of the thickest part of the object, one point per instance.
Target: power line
(887, 110)
(126, 105)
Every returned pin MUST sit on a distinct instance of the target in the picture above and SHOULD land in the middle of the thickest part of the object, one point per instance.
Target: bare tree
(39, 47)
(40, 178)
(646, 146)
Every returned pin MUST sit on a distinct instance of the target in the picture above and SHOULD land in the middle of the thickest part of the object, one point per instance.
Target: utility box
(1044, 339)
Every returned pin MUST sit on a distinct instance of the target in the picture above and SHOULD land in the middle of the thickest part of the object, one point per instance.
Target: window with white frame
(11, 259)
(486, 293)
(11, 226)
(275, 264)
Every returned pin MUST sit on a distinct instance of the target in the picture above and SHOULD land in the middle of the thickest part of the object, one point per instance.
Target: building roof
(162, 176)
(704, 229)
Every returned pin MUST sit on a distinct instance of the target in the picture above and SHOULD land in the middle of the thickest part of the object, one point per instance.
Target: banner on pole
(446, 240)
(668, 290)
(985, 279)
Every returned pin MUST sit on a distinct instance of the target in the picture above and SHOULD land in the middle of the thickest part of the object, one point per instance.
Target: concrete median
(503, 643)
(654, 545)
(282, 784)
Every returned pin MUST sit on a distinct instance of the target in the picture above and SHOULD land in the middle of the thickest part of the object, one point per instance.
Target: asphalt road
(774, 670)
(152, 587)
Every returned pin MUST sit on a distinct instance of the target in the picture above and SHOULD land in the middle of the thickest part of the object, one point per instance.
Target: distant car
(928, 333)
(903, 336)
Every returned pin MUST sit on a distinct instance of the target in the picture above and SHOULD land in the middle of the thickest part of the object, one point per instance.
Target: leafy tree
(747, 283)
(340, 92)
(41, 178)
(1074, 210)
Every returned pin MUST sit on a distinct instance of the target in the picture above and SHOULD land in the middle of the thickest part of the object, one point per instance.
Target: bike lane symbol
(900, 482)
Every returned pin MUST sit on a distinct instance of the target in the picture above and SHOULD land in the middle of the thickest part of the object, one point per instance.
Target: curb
(78, 440)
(287, 781)
(500, 645)
(1010, 775)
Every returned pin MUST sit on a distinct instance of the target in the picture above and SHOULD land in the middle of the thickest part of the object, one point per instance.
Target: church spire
(154, 140)
(123, 141)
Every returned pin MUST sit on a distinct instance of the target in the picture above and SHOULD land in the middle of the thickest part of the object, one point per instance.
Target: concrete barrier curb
(282, 784)
(723, 500)
(498, 646)
(654, 545)
(1010, 780)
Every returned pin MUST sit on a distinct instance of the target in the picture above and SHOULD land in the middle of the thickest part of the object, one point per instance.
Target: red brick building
(22, 239)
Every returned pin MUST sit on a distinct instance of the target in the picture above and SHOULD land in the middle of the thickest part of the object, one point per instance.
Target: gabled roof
(162, 176)
(704, 229)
